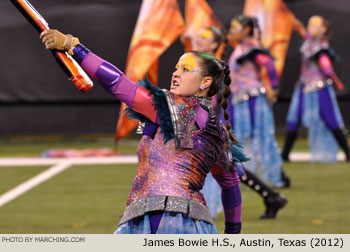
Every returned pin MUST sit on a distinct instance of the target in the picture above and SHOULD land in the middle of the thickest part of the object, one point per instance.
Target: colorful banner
(158, 25)
(277, 23)
(198, 15)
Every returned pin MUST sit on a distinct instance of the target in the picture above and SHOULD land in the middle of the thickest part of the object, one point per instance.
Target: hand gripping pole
(74, 72)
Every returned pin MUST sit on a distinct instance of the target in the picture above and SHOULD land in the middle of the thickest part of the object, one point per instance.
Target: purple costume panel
(251, 115)
(232, 208)
(326, 110)
(267, 62)
(245, 64)
(314, 103)
(316, 74)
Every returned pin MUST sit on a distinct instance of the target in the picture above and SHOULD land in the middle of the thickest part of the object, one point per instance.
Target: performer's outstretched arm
(109, 76)
(115, 82)
(300, 28)
(231, 198)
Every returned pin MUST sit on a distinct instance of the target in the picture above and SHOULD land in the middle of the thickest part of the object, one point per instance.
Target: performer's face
(236, 32)
(187, 79)
(204, 41)
(316, 27)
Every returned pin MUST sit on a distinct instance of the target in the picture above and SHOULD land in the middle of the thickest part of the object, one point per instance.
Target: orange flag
(276, 23)
(158, 25)
(198, 15)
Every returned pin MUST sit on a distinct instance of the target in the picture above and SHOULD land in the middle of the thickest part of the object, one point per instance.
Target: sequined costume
(182, 141)
(250, 113)
(314, 103)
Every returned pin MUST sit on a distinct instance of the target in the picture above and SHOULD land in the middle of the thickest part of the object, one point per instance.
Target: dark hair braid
(220, 72)
(224, 104)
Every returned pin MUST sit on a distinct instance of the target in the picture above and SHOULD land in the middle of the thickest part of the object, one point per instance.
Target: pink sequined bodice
(246, 75)
(167, 170)
(310, 70)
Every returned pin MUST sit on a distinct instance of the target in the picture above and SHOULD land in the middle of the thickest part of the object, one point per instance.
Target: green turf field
(91, 199)
(82, 199)
(12, 176)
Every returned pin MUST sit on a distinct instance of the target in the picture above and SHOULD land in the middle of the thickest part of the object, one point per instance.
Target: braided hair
(224, 104)
(220, 73)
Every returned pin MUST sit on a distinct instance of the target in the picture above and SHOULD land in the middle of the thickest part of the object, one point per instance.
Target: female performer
(182, 141)
(212, 40)
(314, 103)
(250, 103)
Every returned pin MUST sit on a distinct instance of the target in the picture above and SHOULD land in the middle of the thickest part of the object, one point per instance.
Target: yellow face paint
(207, 34)
(316, 20)
(188, 63)
(235, 23)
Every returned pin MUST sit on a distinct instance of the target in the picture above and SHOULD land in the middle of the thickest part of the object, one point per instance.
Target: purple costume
(182, 141)
(314, 103)
(250, 113)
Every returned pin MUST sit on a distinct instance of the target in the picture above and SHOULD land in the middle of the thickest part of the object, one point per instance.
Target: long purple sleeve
(115, 82)
(267, 62)
(326, 65)
(231, 197)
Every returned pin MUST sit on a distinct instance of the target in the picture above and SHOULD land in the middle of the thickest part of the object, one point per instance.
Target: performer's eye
(185, 69)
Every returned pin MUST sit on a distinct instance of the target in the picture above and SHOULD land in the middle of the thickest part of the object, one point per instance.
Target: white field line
(59, 165)
(306, 156)
(127, 159)
(31, 161)
(36, 180)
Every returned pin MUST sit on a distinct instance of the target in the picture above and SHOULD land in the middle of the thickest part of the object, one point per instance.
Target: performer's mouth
(174, 84)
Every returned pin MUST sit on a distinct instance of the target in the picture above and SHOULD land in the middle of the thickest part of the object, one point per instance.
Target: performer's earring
(202, 88)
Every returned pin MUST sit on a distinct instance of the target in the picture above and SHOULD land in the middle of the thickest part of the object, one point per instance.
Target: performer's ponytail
(220, 72)
(224, 104)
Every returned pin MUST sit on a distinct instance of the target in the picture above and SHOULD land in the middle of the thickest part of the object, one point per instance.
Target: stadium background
(40, 109)
(36, 97)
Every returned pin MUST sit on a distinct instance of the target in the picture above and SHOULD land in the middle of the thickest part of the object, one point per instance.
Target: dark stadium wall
(37, 98)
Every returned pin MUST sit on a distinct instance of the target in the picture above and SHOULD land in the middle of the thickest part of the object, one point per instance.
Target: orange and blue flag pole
(72, 69)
